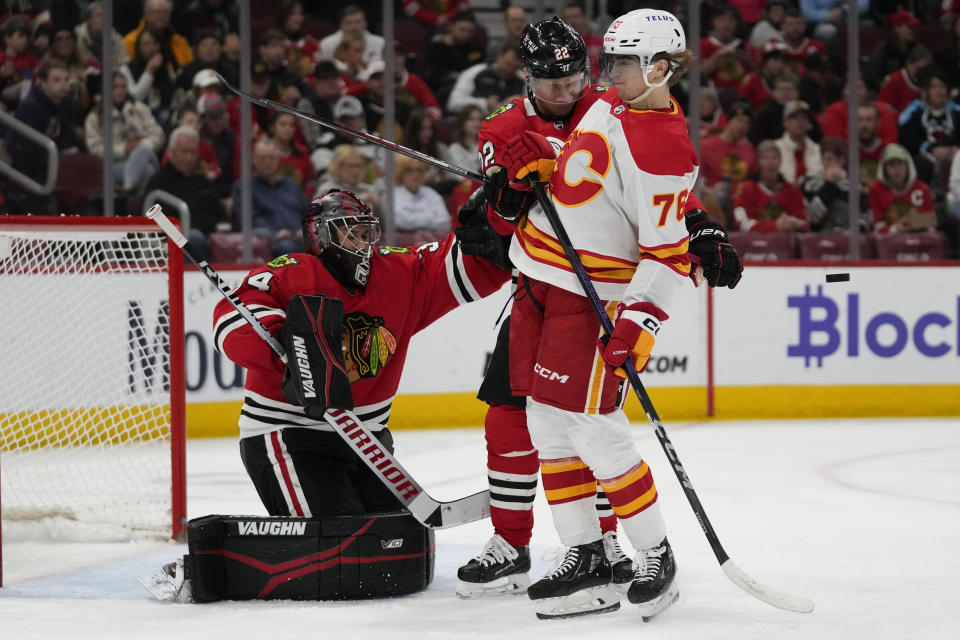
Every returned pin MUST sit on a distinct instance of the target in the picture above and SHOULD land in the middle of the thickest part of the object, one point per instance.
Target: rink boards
(783, 344)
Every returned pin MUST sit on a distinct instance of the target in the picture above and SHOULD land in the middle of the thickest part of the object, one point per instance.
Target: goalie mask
(645, 34)
(554, 62)
(342, 230)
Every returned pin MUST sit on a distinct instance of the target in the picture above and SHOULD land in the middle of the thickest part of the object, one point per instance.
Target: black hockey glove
(510, 204)
(315, 376)
(477, 237)
(710, 246)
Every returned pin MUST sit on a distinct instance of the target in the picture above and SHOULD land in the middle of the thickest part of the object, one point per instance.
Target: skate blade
(650, 609)
(592, 601)
(160, 586)
(507, 586)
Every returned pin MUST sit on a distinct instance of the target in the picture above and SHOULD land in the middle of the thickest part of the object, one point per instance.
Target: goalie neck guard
(342, 230)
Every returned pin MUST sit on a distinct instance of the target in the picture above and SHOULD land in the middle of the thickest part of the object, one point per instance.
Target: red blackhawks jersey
(517, 116)
(620, 187)
(408, 289)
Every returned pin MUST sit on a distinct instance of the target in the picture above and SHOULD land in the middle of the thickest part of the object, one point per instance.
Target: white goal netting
(86, 420)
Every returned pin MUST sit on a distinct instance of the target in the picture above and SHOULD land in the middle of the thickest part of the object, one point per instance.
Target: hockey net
(92, 386)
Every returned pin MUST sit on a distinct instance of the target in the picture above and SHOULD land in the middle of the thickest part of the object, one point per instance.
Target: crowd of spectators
(772, 119)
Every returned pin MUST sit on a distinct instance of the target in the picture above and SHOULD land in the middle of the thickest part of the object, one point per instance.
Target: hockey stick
(776, 598)
(386, 144)
(431, 513)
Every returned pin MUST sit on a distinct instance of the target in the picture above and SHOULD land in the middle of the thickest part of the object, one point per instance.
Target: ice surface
(863, 516)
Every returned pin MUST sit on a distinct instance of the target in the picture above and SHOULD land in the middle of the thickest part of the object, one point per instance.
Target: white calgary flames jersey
(619, 187)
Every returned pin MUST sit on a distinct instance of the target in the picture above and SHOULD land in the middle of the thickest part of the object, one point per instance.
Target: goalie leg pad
(316, 375)
(337, 558)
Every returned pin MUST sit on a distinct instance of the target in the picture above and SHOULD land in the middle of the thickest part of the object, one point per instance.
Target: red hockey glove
(634, 333)
(530, 152)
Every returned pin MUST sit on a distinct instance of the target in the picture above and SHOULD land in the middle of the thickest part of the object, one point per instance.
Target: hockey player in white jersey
(619, 185)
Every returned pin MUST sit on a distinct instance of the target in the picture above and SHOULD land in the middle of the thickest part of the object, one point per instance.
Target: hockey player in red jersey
(554, 60)
(298, 465)
(619, 186)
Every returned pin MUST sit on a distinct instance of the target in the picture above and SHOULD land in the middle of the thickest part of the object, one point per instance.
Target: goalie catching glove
(315, 376)
(634, 333)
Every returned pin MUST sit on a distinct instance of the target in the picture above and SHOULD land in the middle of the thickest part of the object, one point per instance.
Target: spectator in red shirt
(902, 87)
(294, 157)
(833, 120)
(899, 201)
(16, 64)
(728, 157)
(410, 88)
(574, 14)
(757, 87)
(871, 144)
(767, 29)
(766, 202)
(798, 45)
(435, 14)
(301, 50)
(723, 56)
(712, 118)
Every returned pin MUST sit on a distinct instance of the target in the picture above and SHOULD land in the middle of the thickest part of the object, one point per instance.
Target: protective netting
(85, 416)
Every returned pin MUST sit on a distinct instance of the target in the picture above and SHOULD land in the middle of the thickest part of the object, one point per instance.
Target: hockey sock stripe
(506, 476)
(510, 506)
(604, 509)
(286, 475)
(527, 487)
(632, 492)
(567, 480)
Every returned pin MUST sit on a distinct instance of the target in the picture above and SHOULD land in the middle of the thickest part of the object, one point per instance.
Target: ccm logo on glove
(634, 334)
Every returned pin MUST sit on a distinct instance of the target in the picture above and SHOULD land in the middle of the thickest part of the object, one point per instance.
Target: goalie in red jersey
(299, 466)
(558, 94)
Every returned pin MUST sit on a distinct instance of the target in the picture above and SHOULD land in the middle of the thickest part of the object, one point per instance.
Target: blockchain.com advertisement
(885, 325)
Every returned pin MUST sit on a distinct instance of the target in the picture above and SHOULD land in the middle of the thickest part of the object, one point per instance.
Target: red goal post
(92, 426)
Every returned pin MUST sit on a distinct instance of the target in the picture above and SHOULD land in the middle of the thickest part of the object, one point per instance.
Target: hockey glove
(477, 237)
(315, 376)
(530, 153)
(711, 248)
(508, 202)
(634, 333)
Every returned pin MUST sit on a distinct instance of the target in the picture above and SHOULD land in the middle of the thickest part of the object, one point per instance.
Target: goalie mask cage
(92, 390)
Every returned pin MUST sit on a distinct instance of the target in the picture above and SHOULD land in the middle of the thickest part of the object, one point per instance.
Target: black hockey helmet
(552, 49)
(341, 229)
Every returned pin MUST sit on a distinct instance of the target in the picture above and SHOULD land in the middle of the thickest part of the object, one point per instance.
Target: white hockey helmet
(643, 33)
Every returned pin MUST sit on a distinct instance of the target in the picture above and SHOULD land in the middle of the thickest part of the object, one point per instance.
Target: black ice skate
(579, 586)
(654, 585)
(621, 567)
(500, 569)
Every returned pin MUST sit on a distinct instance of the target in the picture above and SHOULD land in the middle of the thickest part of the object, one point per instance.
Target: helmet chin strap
(647, 70)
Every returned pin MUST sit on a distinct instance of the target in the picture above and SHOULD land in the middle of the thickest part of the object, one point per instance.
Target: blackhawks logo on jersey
(282, 261)
(367, 345)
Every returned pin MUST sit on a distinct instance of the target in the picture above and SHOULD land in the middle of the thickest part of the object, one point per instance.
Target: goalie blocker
(336, 558)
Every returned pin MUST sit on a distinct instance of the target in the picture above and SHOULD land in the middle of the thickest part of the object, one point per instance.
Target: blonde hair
(402, 164)
(341, 154)
(678, 62)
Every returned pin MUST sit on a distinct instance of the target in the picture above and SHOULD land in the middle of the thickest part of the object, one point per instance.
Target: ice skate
(580, 585)
(654, 585)
(621, 567)
(170, 584)
(500, 569)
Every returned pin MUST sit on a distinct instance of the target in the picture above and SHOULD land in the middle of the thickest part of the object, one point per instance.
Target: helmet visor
(559, 91)
(616, 68)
